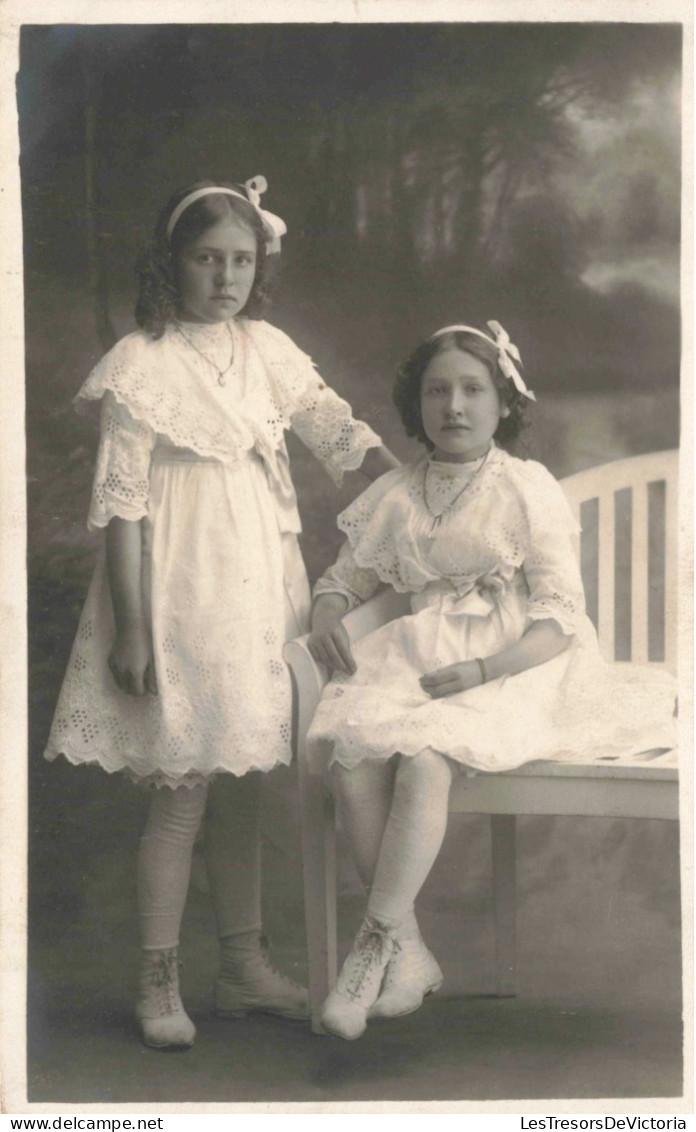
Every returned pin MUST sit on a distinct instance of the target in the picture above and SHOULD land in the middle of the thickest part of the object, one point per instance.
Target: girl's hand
(330, 645)
(131, 662)
(377, 461)
(452, 679)
(328, 641)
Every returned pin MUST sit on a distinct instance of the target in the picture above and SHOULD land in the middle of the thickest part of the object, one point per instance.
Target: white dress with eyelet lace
(499, 557)
(202, 464)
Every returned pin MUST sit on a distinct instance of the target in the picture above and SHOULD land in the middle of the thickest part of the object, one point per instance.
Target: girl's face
(460, 407)
(216, 272)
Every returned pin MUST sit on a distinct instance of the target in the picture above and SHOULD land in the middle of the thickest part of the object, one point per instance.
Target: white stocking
(364, 797)
(164, 863)
(413, 835)
(233, 853)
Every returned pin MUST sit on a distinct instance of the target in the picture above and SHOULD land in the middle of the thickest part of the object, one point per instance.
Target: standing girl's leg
(164, 869)
(412, 838)
(233, 848)
(233, 860)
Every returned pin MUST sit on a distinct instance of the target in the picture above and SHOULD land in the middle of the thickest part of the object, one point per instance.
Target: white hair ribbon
(508, 353)
(273, 226)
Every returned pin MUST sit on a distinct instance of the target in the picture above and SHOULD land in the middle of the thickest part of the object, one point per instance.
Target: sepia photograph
(355, 438)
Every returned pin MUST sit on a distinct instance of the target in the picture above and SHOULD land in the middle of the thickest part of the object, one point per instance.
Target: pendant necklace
(437, 518)
(222, 380)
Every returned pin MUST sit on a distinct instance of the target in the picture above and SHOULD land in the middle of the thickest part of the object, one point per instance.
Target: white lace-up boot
(247, 983)
(412, 973)
(159, 1009)
(359, 984)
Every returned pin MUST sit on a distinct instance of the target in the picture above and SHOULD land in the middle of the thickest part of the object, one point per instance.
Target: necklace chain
(437, 518)
(220, 372)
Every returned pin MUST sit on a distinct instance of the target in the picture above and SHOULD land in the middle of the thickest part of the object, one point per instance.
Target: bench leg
(318, 830)
(504, 901)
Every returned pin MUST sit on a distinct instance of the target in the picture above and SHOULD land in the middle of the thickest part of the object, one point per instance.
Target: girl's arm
(130, 660)
(328, 641)
(543, 640)
(342, 587)
(119, 501)
(378, 461)
(322, 420)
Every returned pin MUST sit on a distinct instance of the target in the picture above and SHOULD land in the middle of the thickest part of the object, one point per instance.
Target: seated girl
(496, 664)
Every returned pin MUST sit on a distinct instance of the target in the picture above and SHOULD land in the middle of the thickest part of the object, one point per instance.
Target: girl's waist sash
(277, 469)
(471, 597)
(168, 454)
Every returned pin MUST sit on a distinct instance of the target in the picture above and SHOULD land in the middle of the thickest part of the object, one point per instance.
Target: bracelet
(482, 667)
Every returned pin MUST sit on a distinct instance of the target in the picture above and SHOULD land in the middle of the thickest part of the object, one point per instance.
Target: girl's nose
(456, 402)
(226, 270)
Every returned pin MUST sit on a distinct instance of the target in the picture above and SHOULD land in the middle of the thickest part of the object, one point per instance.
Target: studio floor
(597, 1013)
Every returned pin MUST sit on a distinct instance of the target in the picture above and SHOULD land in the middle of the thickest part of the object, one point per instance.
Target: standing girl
(496, 665)
(176, 674)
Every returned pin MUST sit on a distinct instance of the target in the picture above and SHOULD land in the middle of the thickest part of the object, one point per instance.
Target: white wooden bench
(628, 555)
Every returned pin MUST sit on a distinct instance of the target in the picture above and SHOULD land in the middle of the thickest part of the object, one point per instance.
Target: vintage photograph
(352, 385)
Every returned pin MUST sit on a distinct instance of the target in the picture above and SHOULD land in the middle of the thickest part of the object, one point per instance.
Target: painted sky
(625, 186)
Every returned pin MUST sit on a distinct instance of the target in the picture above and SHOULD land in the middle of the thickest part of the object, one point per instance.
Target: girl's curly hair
(159, 300)
(407, 387)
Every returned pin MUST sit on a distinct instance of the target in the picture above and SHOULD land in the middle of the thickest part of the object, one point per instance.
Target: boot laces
(372, 942)
(164, 977)
(265, 946)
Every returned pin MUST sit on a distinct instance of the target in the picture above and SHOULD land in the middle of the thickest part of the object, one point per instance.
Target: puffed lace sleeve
(322, 420)
(121, 476)
(356, 583)
(550, 563)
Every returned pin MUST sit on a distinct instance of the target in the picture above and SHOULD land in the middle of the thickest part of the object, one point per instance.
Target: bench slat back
(628, 513)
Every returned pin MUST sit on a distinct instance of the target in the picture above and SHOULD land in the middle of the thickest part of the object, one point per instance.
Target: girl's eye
(473, 388)
(204, 257)
(244, 260)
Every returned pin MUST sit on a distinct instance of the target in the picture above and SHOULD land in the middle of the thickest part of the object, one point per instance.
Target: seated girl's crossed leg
(395, 815)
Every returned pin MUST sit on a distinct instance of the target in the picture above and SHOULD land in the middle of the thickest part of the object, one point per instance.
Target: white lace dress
(500, 557)
(203, 465)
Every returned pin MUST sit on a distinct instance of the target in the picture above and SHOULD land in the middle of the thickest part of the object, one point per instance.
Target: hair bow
(508, 353)
(273, 226)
